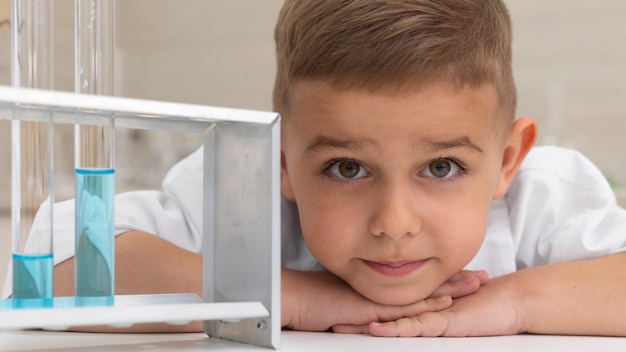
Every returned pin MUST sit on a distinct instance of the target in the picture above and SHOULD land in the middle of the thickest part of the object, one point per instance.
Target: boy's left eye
(441, 169)
(347, 170)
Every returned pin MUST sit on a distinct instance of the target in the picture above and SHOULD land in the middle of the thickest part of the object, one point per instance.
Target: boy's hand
(462, 284)
(318, 301)
(489, 311)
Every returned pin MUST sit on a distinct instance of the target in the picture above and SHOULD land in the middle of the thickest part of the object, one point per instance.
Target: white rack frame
(241, 215)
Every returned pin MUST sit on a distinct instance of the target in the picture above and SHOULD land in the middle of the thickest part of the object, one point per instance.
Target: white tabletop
(298, 341)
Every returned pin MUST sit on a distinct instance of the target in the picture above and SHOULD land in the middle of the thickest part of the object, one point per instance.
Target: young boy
(402, 154)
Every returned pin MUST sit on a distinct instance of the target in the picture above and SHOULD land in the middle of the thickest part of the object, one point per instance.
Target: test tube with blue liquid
(32, 193)
(32, 197)
(94, 158)
(95, 189)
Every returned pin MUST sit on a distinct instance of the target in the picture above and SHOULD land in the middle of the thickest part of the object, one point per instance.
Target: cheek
(466, 232)
(330, 232)
(456, 219)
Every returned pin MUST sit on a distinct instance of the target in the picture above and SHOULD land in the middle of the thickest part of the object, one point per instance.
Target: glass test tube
(94, 157)
(32, 158)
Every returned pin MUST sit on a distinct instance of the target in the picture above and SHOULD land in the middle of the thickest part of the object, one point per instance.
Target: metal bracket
(241, 215)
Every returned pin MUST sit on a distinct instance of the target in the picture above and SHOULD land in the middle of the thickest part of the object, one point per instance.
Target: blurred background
(569, 62)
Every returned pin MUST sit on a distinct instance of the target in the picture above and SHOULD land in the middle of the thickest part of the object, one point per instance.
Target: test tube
(94, 157)
(32, 158)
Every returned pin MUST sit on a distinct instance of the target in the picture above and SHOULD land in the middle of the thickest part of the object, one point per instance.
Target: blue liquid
(95, 242)
(32, 281)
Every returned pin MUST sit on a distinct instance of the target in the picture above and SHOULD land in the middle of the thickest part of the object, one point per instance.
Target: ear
(522, 137)
(285, 182)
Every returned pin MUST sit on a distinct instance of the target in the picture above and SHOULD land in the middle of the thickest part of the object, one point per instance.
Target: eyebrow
(461, 142)
(322, 142)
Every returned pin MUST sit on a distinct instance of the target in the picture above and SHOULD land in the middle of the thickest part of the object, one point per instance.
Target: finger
(428, 324)
(461, 274)
(350, 329)
(459, 287)
(428, 305)
(482, 275)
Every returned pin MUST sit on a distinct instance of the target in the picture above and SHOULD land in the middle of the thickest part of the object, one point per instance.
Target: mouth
(395, 269)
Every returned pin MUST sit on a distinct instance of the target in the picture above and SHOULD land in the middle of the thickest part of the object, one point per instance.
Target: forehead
(441, 103)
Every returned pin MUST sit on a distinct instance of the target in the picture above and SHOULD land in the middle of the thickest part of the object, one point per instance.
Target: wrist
(289, 297)
(519, 292)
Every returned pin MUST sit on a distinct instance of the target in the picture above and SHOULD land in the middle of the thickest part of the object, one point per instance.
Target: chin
(394, 296)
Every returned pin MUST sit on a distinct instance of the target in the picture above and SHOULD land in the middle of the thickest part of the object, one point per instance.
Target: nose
(395, 212)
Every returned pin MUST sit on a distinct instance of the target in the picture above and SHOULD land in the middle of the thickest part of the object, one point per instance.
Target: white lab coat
(559, 208)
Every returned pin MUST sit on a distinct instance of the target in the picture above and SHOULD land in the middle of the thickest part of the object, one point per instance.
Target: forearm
(144, 264)
(576, 298)
(296, 289)
(580, 298)
(311, 300)
(318, 301)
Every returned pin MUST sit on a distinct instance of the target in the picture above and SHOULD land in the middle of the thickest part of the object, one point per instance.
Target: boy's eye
(347, 170)
(441, 168)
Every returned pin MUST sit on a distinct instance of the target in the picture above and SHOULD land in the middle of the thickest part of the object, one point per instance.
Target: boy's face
(393, 190)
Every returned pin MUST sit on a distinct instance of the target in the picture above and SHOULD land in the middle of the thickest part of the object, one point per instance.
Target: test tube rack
(241, 214)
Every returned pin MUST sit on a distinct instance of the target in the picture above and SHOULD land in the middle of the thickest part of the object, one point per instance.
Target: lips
(395, 269)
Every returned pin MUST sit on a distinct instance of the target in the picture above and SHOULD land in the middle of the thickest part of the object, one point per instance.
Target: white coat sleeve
(561, 208)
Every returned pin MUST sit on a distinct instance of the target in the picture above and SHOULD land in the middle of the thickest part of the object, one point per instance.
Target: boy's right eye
(346, 170)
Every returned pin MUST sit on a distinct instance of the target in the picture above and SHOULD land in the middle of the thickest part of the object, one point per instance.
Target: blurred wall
(193, 51)
(570, 68)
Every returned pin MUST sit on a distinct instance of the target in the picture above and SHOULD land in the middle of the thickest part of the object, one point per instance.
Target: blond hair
(394, 44)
